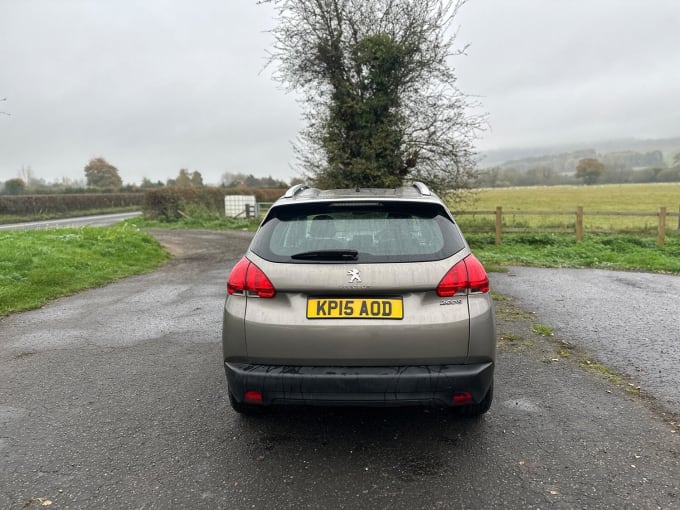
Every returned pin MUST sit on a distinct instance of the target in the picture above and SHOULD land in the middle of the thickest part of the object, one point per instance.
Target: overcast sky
(158, 85)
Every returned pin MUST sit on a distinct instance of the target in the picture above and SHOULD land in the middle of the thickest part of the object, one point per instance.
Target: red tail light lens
(468, 274)
(247, 277)
(237, 277)
(257, 281)
(478, 280)
(454, 281)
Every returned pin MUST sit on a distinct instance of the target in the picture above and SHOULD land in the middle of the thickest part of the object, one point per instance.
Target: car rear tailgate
(284, 330)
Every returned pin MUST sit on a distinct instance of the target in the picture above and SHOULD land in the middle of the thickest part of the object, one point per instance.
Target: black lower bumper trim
(392, 385)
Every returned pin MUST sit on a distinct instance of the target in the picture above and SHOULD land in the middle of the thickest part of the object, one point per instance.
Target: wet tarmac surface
(116, 398)
(628, 321)
(100, 220)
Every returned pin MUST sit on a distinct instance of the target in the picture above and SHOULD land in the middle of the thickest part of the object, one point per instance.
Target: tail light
(468, 274)
(247, 277)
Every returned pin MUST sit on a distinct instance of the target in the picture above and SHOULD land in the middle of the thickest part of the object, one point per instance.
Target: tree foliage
(240, 180)
(188, 180)
(183, 179)
(14, 187)
(590, 170)
(196, 178)
(101, 174)
(381, 101)
(149, 184)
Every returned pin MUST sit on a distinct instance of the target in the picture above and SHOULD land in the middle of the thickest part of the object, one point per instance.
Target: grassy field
(631, 198)
(38, 265)
(610, 197)
(629, 245)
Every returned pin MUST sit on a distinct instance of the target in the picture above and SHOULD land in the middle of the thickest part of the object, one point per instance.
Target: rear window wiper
(326, 255)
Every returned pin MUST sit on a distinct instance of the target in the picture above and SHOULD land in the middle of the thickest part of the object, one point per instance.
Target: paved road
(629, 321)
(116, 398)
(102, 220)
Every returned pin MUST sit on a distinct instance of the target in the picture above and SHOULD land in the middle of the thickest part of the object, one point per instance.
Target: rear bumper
(373, 386)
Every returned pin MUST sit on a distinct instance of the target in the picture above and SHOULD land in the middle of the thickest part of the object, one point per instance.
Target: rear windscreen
(367, 233)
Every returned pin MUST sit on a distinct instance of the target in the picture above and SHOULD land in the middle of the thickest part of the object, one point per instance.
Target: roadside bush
(170, 203)
(35, 205)
(167, 204)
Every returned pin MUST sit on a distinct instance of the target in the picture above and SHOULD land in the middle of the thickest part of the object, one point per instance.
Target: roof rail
(422, 188)
(294, 190)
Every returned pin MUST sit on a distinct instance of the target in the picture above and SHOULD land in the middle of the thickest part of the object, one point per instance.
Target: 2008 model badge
(354, 276)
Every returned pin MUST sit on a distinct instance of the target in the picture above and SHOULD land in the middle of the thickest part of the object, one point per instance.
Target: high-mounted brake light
(468, 274)
(247, 277)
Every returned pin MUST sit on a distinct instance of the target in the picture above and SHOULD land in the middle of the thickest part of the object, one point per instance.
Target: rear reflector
(252, 397)
(462, 398)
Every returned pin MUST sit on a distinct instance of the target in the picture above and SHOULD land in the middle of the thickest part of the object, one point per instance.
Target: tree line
(588, 171)
(101, 176)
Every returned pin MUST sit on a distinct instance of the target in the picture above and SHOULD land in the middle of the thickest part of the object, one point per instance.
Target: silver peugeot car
(359, 297)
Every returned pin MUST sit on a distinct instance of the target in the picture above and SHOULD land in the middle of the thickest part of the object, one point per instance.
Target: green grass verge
(622, 252)
(38, 265)
(204, 221)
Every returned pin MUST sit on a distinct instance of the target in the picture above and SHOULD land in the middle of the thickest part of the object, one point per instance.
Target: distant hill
(627, 153)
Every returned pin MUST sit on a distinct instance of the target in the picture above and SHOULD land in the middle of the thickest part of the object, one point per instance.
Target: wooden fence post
(661, 236)
(499, 224)
(579, 224)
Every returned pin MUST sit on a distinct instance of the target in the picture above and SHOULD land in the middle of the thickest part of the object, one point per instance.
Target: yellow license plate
(355, 308)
